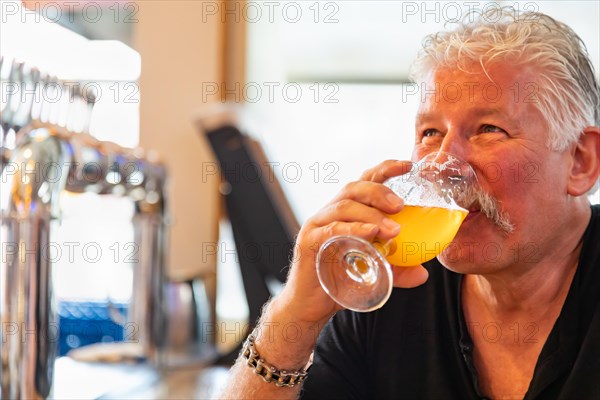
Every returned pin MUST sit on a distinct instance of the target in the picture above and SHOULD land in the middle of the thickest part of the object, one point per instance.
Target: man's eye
(431, 132)
(486, 128)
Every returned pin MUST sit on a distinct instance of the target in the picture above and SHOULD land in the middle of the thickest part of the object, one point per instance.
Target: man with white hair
(512, 308)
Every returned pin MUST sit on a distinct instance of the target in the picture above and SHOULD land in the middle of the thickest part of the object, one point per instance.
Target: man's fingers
(386, 170)
(409, 277)
(372, 194)
(365, 231)
(352, 211)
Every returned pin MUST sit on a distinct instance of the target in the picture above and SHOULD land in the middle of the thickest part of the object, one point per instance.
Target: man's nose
(454, 143)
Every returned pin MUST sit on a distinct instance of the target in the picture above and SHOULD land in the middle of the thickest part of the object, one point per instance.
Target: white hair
(567, 92)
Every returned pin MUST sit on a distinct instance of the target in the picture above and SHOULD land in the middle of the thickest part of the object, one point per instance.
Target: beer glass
(437, 193)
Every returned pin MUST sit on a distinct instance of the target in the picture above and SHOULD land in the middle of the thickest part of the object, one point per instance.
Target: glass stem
(386, 248)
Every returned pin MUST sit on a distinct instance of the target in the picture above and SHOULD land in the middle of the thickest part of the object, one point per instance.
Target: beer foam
(417, 191)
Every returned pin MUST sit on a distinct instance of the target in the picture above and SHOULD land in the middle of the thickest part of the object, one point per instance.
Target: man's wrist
(269, 372)
(283, 340)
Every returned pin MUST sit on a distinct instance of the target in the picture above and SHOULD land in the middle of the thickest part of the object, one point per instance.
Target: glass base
(354, 273)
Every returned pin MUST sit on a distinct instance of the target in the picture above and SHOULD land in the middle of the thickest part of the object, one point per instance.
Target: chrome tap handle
(29, 83)
(89, 96)
(13, 96)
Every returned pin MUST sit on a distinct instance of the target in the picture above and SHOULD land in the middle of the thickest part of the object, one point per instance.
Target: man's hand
(358, 210)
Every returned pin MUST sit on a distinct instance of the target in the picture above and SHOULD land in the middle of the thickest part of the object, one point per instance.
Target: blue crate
(83, 323)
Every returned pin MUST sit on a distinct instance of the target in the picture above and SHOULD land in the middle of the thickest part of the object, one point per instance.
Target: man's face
(495, 126)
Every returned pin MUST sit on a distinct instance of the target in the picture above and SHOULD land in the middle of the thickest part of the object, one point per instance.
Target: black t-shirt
(418, 345)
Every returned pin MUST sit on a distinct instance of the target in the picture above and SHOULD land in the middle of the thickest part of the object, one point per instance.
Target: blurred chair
(263, 223)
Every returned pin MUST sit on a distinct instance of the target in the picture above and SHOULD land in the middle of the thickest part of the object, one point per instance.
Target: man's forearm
(282, 342)
(244, 384)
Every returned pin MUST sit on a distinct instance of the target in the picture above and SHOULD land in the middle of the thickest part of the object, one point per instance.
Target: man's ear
(586, 162)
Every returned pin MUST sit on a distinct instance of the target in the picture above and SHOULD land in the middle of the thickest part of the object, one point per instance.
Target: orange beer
(424, 233)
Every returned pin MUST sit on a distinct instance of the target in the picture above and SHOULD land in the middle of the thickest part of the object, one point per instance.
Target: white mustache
(489, 206)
